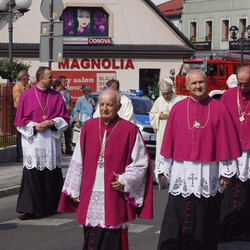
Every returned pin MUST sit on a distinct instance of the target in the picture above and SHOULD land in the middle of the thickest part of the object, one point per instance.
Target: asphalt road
(62, 232)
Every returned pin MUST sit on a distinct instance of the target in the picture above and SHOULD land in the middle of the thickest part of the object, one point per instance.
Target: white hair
(195, 70)
(118, 97)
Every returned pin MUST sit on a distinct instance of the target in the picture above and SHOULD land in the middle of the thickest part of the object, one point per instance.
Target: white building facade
(130, 40)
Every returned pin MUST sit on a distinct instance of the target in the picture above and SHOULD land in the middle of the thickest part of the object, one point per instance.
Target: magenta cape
(229, 98)
(217, 141)
(28, 108)
(117, 156)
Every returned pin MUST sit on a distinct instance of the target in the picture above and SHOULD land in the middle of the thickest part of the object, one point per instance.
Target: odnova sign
(96, 64)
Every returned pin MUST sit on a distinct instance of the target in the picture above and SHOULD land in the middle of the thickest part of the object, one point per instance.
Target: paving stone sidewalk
(11, 174)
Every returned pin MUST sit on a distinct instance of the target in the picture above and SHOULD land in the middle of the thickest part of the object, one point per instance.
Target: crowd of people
(202, 157)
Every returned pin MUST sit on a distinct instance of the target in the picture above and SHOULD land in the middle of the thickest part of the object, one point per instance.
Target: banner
(75, 79)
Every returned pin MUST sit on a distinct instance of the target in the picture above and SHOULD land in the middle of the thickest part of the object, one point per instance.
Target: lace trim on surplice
(134, 179)
(96, 215)
(244, 166)
(72, 184)
(198, 178)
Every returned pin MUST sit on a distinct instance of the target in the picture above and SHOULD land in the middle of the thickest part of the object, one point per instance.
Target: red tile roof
(171, 8)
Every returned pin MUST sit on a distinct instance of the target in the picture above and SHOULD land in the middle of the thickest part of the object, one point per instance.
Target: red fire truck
(217, 70)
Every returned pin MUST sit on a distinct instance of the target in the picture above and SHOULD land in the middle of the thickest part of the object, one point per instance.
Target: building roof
(172, 8)
(112, 51)
(172, 26)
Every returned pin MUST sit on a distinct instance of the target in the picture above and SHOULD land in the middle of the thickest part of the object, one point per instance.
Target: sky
(156, 2)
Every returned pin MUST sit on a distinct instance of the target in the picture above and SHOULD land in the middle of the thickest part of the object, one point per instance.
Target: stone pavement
(11, 174)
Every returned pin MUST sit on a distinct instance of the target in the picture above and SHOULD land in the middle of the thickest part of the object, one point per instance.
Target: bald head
(197, 84)
(111, 92)
(243, 79)
(109, 105)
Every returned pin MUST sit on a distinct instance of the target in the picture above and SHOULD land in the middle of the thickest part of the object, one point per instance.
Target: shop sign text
(96, 64)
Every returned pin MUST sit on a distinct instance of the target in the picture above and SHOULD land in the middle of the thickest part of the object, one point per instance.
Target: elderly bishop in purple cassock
(110, 178)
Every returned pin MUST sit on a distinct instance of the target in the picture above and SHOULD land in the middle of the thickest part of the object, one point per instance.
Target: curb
(8, 191)
(4, 192)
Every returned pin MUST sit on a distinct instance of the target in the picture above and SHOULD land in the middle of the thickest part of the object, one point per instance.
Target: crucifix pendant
(44, 117)
(196, 124)
(242, 118)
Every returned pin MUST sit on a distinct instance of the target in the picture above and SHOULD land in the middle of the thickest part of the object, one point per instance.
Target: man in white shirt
(126, 111)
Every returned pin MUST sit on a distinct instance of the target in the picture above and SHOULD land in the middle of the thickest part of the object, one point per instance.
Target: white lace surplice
(43, 149)
(134, 180)
(244, 165)
(198, 178)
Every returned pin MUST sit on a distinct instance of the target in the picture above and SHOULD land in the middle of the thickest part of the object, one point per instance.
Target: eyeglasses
(243, 84)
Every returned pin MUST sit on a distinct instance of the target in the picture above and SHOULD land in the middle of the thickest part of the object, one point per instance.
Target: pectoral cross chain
(100, 162)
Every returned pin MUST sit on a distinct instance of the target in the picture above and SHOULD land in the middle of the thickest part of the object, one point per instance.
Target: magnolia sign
(122, 64)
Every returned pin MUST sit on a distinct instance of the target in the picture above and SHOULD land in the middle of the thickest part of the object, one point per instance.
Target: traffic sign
(57, 9)
(57, 28)
(57, 42)
(57, 50)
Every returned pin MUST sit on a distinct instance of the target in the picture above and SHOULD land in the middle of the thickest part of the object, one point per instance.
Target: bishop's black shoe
(27, 216)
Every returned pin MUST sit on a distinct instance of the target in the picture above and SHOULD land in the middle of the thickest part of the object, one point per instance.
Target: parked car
(142, 106)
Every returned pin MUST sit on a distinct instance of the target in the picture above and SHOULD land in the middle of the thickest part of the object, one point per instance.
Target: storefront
(131, 41)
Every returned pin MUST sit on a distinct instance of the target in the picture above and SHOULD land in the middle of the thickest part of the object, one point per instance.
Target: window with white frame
(208, 30)
(193, 31)
(242, 27)
(225, 30)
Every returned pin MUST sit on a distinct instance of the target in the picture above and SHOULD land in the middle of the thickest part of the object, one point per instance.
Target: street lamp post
(234, 30)
(11, 16)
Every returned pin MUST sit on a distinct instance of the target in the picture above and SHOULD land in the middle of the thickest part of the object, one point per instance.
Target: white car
(142, 106)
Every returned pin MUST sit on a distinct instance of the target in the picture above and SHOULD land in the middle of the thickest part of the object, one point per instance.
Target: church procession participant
(198, 157)
(160, 111)
(109, 180)
(235, 211)
(126, 111)
(68, 102)
(41, 118)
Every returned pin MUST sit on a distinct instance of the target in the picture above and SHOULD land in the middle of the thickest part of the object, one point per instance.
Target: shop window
(193, 29)
(209, 30)
(85, 22)
(242, 27)
(225, 29)
(149, 79)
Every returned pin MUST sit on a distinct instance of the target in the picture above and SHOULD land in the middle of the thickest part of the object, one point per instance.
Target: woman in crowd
(84, 107)
(57, 85)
